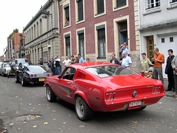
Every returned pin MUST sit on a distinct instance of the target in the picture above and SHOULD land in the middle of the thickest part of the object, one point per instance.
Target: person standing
(53, 66)
(81, 60)
(114, 60)
(57, 66)
(87, 60)
(158, 60)
(40, 61)
(174, 67)
(72, 59)
(67, 62)
(49, 64)
(145, 62)
(126, 61)
(169, 71)
(125, 49)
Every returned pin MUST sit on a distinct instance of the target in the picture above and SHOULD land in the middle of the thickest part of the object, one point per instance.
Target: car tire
(83, 111)
(16, 78)
(50, 95)
(23, 82)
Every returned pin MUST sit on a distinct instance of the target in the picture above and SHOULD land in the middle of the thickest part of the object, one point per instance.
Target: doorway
(150, 46)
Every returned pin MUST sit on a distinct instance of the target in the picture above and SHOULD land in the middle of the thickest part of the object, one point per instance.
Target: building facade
(97, 28)
(13, 44)
(158, 27)
(42, 34)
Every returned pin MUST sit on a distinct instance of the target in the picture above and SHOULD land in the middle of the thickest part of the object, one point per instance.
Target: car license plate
(41, 79)
(136, 103)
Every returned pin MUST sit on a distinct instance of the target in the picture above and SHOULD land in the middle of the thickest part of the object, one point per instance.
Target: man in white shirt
(126, 61)
(67, 62)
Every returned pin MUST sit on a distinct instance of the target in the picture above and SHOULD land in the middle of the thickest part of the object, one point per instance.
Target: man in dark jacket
(169, 70)
(114, 60)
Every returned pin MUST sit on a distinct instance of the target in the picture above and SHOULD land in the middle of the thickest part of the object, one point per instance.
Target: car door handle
(68, 83)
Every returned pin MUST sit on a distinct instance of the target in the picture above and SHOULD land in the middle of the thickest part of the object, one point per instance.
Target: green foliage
(14, 31)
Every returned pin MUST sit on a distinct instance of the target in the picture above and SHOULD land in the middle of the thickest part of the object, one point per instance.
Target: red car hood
(129, 81)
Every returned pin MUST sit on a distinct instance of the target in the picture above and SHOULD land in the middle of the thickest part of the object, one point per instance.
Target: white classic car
(5, 69)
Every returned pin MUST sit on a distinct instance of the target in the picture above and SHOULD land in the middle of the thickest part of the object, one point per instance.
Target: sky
(16, 14)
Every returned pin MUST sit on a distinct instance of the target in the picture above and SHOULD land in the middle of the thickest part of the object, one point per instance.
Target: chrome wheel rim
(48, 92)
(80, 107)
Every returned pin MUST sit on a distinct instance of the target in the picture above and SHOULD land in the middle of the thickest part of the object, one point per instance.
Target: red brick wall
(90, 21)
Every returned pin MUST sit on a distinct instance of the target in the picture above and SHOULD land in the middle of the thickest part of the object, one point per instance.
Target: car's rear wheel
(16, 78)
(23, 82)
(83, 111)
(50, 95)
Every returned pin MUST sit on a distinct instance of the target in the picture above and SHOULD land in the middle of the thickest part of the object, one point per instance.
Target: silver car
(5, 69)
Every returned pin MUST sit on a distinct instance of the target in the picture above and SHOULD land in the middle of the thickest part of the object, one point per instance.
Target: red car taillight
(110, 96)
(31, 75)
(156, 90)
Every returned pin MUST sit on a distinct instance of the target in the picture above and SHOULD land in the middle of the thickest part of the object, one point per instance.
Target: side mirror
(59, 76)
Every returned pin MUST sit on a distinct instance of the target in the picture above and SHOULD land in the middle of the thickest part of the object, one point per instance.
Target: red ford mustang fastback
(102, 87)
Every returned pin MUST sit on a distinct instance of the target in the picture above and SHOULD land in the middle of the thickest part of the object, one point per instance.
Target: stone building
(97, 28)
(42, 34)
(158, 27)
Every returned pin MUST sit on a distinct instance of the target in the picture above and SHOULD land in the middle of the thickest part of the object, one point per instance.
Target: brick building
(13, 44)
(97, 28)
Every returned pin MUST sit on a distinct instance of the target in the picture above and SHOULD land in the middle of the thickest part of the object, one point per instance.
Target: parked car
(19, 61)
(5, 69)
(103, 87)
(30, 74)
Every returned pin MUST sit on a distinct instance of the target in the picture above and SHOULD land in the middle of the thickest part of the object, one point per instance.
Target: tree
(14, 31)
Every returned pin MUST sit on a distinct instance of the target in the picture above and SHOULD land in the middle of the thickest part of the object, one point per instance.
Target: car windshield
(35, 68)
(109, 70)
(6, 65)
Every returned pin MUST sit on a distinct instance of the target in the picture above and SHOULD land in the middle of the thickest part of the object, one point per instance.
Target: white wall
(160, 15)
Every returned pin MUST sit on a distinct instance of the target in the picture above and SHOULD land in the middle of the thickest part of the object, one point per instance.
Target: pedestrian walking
(114, 60)
(174, 67)
(158, 60)
(169, 71)
(126, 61)
(67, 62)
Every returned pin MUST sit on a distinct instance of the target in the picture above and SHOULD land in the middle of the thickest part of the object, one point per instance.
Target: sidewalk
(168, 93)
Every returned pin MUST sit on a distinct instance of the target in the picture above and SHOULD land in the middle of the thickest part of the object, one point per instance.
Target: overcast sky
(16, 14)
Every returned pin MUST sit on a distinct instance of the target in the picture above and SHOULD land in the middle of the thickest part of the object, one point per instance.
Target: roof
(89, 64)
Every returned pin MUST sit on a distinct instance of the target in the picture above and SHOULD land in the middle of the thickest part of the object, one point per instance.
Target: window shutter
(121, 3)
(80, 9)
(100, 6)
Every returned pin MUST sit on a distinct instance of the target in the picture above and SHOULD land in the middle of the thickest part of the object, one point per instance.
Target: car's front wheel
(49, 94)
(83, 111)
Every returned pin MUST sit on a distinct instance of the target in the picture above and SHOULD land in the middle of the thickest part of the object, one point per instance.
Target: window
(101, 41)
(171, 39)
(67, 42)
(173, 1)
(100, 6)
(81, 44)
(162, 40)
(121, 3)
(67, 18)
(153, 3)
(80, 10)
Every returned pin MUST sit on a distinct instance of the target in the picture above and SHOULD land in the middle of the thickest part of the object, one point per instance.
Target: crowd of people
(155, 65)
(54, 64)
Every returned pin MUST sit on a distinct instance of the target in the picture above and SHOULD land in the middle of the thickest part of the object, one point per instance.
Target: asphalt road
(25, 110)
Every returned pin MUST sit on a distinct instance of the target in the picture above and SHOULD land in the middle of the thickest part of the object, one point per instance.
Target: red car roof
(87, 64)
